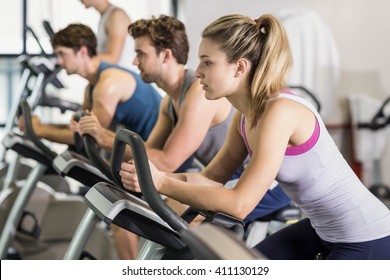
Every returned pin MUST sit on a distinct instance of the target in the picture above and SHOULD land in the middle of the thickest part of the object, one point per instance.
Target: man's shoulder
(194, 91)
(118, 14)
(114, 76)
(115, 71)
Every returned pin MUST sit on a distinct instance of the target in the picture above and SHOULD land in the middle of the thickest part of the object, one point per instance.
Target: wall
(357, 26)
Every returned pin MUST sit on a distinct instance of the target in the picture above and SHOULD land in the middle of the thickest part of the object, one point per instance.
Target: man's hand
(74, 121)
(90, 124)
(21, 123)
(35, 122)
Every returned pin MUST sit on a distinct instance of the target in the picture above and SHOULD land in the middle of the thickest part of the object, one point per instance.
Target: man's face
(68, 59)
(148, 61)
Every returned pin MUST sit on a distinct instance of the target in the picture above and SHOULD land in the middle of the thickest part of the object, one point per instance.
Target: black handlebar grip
(148, 189)
(29, 131)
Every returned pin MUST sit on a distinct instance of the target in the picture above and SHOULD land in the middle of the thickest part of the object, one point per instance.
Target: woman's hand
(130, 179)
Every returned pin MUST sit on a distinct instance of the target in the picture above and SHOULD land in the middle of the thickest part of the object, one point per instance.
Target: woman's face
(216, 75)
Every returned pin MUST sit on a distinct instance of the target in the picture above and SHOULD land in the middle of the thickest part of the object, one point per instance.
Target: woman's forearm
(194, 178)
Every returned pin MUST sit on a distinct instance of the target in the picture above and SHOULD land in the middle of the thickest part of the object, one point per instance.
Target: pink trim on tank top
(304, 147)
(293, 150)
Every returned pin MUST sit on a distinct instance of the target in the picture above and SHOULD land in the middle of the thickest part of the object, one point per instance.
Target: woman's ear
(242, 67)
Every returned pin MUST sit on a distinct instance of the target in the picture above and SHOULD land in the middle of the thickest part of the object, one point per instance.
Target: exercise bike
(209, 242)
(38, 72)
(148, 216)
(45, 237)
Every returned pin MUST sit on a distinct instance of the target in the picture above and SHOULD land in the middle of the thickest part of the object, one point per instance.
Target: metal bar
(24, 26)
(20, 203)
(81, 236)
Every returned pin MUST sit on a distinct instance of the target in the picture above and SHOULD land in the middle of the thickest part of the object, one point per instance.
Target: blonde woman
(248, 61)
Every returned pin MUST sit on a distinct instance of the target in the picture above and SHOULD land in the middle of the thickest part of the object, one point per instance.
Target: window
(60, 13)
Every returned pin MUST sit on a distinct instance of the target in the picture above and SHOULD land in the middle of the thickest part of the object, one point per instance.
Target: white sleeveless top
(320, 181)
(128, 53)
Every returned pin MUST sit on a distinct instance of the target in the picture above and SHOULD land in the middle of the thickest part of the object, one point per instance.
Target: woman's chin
(209, 95)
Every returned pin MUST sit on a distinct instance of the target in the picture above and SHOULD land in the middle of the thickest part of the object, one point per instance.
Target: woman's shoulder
(280, 103)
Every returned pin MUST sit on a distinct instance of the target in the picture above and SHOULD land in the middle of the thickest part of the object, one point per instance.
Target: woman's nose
(198, 72)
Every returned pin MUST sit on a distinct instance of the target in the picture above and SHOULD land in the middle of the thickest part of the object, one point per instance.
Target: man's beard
(148, 78)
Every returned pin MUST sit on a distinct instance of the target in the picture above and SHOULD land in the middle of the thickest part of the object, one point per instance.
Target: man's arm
(90, 125)
(105, 138)
(195, 117)
(113, 87)
(168, 148)
(56, 133)
(162, 129)
(116, 29)
(86, 105)
(60, 134)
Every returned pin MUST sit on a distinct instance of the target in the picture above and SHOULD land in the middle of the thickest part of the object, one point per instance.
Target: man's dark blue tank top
(139, 113)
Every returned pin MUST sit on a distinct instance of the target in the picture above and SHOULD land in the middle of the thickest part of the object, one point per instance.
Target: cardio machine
(48, 236)
(147, 216)
(209, 242)
(38, 72)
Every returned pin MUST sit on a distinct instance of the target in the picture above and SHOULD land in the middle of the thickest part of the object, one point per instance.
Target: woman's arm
(268, 141)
